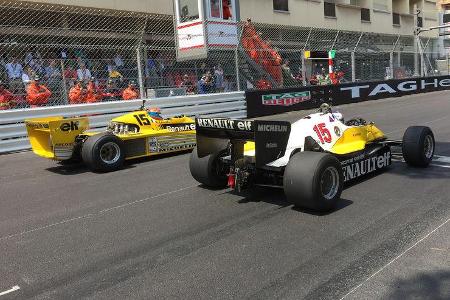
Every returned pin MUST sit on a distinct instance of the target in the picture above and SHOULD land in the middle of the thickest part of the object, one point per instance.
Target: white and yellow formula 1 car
(310, 158)
(132, 135)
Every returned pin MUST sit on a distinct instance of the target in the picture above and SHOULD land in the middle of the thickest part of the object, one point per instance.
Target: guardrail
(13, 135)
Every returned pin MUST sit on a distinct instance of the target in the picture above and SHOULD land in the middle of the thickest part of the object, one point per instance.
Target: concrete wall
(147, 6)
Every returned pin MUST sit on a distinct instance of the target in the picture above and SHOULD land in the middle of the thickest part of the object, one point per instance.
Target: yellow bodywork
(355, 139)
(55, 137)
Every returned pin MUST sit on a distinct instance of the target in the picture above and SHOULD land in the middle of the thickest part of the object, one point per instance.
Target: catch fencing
(13, 132)
(63, 43)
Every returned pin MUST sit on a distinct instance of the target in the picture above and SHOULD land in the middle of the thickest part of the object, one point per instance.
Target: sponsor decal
(165, 144)
(224, 124)
(180, 127)
(404, 86)
(72, 125)
(337, 131)
(362, 165)
(272, 128)
(286, 99)
(38, 125)
(271, 145)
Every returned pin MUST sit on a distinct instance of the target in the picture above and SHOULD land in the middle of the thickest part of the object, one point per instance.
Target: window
(419, 22)
(365, 14)
(329, 9)
(446, 19)
(281, 5)
(221, 9)
(188, 10)
(395, 19)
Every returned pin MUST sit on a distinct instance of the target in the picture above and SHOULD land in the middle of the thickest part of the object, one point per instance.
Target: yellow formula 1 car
(133, 135)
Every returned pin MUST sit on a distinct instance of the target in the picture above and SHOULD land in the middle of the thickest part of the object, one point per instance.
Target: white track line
(13, 289)
(401, 254)
(94, 214)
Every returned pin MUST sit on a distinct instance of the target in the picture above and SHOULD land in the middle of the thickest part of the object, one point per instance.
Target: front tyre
(103, 153)
(418, 146)
(208, 170)
(313, 180)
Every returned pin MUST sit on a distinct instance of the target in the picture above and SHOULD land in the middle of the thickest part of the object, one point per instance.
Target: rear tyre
(103, 153)
(208, 170)
(418, 146)
(313, 180)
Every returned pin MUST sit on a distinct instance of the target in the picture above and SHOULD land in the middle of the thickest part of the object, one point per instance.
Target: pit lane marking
(389, 263)
(13, 289)
(98, 213)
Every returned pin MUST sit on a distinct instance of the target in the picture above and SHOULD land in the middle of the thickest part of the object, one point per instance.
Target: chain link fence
(60, 55)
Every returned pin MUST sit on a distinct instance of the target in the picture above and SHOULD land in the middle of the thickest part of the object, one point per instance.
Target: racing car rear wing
(270, 137)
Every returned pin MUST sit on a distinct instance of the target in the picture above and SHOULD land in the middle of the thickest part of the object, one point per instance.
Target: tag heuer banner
(270, 102)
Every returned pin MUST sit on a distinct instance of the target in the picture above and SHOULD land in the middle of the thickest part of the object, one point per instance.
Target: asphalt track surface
(150, 231)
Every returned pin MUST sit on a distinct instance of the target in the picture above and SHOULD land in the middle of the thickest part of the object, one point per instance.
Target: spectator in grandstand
(188, 85)
(130, 92)
(70, 74)
(6, 98)
(37, 93)
(14, 71)
(52, 72)
(206, 84)
(215, 8)
(29, 59)
(112, 71)
(77, 93)
(27, 75)
(93, 93)
(288, 78)
(110, 92)
(218, 78)
(228, 84)
(151, 73)
(83, 73)
(118, 61)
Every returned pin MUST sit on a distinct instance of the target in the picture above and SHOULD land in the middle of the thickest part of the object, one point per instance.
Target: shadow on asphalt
(426, 285)
(275, 196)
(77, 167)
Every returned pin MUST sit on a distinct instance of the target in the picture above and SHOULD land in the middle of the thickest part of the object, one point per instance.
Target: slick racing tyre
(208, 170)
(313, 180)
(418, 146)
(103, 153)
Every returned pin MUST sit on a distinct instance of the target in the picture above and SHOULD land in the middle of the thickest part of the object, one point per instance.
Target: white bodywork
(328, 125)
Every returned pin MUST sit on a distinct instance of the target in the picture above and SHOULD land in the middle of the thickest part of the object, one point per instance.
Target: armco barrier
(269, 102)
(13, 136)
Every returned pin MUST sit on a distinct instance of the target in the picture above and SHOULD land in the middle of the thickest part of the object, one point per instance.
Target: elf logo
(70, 126)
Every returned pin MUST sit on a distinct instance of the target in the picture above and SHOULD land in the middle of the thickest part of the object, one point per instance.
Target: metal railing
(13, 136)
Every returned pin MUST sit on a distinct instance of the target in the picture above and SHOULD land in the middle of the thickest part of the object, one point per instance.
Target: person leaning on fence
(93, 93)
(37, 93)
(6, 98)
(110, 92)
(14, 71)
(130, 92)
(77, 93)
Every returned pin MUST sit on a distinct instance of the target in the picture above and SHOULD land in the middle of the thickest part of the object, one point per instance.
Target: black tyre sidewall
(302, 180)
(413, 146)
(91, 153)
(203, 169)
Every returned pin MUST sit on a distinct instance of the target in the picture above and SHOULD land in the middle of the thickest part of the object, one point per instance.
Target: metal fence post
(139, 69)
(236, 62)
(66, 101)
(415, 43)
(391, 65)
(303, 68)
(353, 67)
